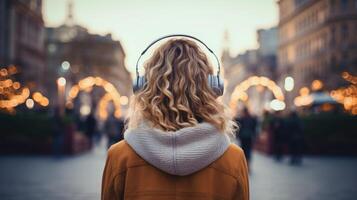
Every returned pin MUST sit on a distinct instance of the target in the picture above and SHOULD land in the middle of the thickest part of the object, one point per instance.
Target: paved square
(79, 177)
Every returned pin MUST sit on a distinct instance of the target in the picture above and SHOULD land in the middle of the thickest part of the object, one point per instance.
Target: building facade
(75, 54)
(22, 40)
(317, 41)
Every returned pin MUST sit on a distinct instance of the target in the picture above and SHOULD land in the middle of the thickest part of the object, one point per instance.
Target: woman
(176, 145)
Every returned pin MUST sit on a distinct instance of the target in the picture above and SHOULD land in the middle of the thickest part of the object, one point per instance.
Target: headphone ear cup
(216, 84)
(139, 83)
(220, 85)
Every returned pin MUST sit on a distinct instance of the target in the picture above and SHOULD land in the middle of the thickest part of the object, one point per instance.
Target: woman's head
(176, 93)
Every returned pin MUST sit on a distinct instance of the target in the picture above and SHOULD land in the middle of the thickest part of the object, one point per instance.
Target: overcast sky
(137, 22)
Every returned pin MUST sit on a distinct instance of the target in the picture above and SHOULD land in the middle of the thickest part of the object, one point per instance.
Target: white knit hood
(180, 152)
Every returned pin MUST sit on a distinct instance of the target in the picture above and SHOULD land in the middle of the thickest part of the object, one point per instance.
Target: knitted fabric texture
(180, 152)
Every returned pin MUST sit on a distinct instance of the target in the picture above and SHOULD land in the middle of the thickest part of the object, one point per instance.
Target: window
(333, 62)
(344, 4)
(345, 56)
(344, 31)
(332, 5)
(333, 36)
(299, 3)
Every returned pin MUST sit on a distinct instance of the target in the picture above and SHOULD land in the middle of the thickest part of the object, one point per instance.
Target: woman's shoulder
(123, 156)
(235, 154)
(235, 149)
(121, 146)
(232, 161)
(121, 150)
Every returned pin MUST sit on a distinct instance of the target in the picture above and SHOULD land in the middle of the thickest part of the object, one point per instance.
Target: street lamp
(61, 81)
(61, 87)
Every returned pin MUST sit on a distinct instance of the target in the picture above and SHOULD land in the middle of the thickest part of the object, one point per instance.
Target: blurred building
(317, 41)
(253, 62)
(268, 41)
(267, 52)
(22, 40)
(74, 53)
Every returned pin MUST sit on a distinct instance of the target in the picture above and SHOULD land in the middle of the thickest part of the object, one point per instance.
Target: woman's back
(148, 165)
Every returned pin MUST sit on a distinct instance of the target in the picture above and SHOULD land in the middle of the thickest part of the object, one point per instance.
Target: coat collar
(180, 152)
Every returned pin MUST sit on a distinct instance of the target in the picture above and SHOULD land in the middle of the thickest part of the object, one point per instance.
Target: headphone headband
(177, 35)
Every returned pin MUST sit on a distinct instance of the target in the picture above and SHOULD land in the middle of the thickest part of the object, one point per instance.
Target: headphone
(215, 82)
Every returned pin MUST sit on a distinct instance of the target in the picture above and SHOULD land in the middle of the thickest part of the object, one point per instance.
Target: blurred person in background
(266, 122)
(247, 132)
(176, 145)
(279, 135)
(114, 129)
(91, 125)
(295, 138)
(58, 132)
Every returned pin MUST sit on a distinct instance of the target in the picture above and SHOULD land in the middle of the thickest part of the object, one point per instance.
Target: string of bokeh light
(14, 99)
(103, 104)
(304, 99)
(11, 93)
(347, 95)
(112, 94)
(40, 99)
(349, 77)
(239, 92)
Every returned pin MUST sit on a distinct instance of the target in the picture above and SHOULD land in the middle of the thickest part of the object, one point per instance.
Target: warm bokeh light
(6, 83)
(316, 85)
(12, 70)
(61, 81)
(15, 99)
(347, 96)
(37, 96)
(40, 99)
(85, 110)
(350, 78)
(16, 85)
(304, 99)
(102, 105)
(69, 105)
(304, 91)
(3, 72)
(73, 92)
(124, 100)
(44, 102)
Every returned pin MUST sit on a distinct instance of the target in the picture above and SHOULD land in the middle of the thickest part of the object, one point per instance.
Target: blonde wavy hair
(177, 94)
